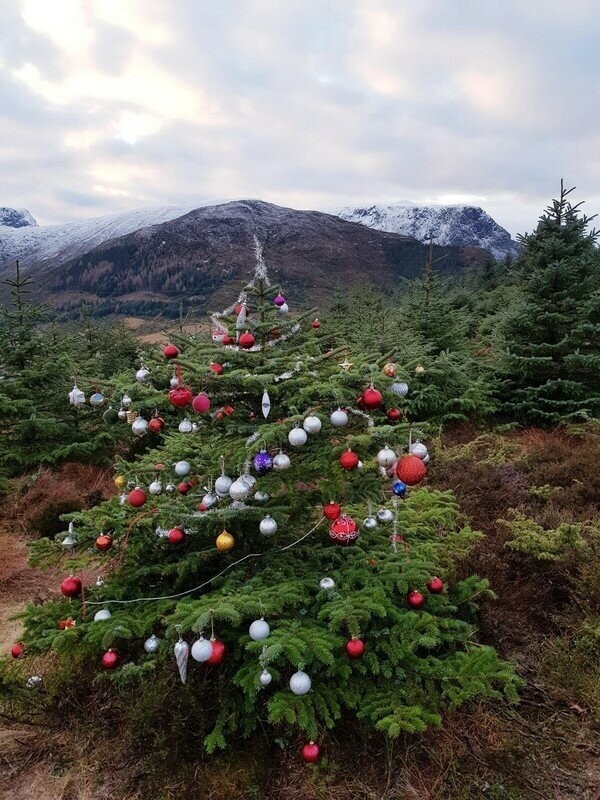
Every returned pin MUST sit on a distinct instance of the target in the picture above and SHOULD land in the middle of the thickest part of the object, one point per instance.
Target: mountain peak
(16, 218)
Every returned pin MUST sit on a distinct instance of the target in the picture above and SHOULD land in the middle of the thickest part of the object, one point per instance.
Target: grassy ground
(546, 619)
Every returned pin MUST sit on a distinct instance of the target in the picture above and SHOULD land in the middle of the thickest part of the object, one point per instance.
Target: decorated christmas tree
(273, 560)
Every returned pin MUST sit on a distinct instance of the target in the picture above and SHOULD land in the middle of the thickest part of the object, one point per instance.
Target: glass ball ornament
(279, 300)
(185, 426)
(96, 399)
(386, 457)
(170, 488)
(126, 401)
(265, 677)
(300, 683)
(268, 526)
(142, 374)
(223, 485)
(201, 649)
(399, 388)
(261, 497)
(155, 487)
(262, 462)
(390, 370)
(385, 515)
(139, 426)
(326, 583)
(399, 488)
(369, 523)
(297, 437)
(151, 644)
(281, 461)
(225, 542)
(102, 615)
(182, 468)
(174, 382)
(122, 414)
(283, 309)
(239, 489)
(418, 449)
(339, 418)
(343, 530)
(312, 424)
(259, 630)
(426, 459)
(209, 500)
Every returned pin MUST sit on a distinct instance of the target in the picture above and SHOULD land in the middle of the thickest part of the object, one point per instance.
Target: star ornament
(345, 365)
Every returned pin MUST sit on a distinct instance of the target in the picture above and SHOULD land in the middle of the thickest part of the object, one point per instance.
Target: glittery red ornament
(316, 324)
(110, 659)
(180, 396)
(219, 651)
(246, 341)
(137, 497)
(372, 398)
(171, 351)
(184, 487)
(17, 650)
(411, 470)
(415, 599)
(176, 536)
(71, 587)
(104, 542)
(201, 403)
(227, 339)
(394, 414)
(311, 753)
(344, 530)
(436, 585)
(66, 624)
(349, 460)
(156, 425)
(216, 368)
(332, 510)
(355, 648)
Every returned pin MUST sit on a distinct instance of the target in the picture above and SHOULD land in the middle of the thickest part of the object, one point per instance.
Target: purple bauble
(262, 462)
(279, 300)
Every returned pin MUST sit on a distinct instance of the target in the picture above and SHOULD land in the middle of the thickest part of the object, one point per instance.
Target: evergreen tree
(552, 336)
(281, 557)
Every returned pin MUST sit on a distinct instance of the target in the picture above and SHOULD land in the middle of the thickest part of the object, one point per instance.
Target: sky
(110, 105)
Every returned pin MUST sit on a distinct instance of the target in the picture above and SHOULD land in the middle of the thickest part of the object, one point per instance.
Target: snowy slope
(451, 225)
(22, 238)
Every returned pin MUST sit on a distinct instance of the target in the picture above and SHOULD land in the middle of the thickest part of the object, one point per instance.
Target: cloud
(105, 105)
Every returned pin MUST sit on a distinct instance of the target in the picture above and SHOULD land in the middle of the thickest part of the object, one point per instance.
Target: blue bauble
(399, 489)
(263, 462)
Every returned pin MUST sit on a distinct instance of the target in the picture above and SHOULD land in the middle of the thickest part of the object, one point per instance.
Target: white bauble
(126, 401)
(281, 461)
(399, 388)
(151, 644)
(142, 374)
(385, 515)
(139, 426)
(300, 683)
(102, 615)
(185, 426)
(223, 485)
(239, 489)
(182, 468)
(155, 487)
(312, 424)
(201, 649)
(250, 480)
(259, 630)
(297, 437)
(360, 465)
(268, 526)
(261, 497)
(265, 677)
(210, 499)
(419, 450)
(339, 418)
(326, 583)
(284, 309)
(386, 457)
(369, 523)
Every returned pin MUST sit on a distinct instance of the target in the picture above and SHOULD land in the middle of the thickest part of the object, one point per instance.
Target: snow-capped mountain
(34, 245)
(463, 226)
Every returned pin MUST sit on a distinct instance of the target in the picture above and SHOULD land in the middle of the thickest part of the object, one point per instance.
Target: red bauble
(394, 414)
(156, 425)
(227, 339)
(180, 396)
(219, 651)
(415, 599)
(171, 351)
(372, 398)
(228, 410)
(110, 659)
(17, 650)
(201, 507)
(411, 470)
(436, 585)
(311, 753)
(355, 648)
(104, 542)
(184, 487)
(344, 530)
(216, 368)
(349, 460)
(332, 510)
(71, 587)
(360, 403)
(316, 324)
(176, 536)
(246, 340)
(66, 624)
(137, 497)
(201, 403)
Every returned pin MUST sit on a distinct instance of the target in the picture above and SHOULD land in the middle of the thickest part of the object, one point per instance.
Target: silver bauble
(126, 401)
(300, 683)
(426, 459)
(326, 583)
(418, 449)
(182, 654)
(69, 542)
(174, 382)
(210, 499)
(185, 426)
(339, 418)
(239, 489)
(151, 644)
(261, 497)
(386, 457)
(96, 399)
(385, 515)
(155, 487)
(297, 437)
(102, 615)
(268, 526)
(122, 413)
(399, 388)
(259, 630)
(284, 309)
(312, 424)
(223, 485)
(281, 461)
(369, 523)
(182, 468)
(142, 375)
(34, 682)
(265, 677)
(139, 426)
(250, 480)
(170, 488)
(201, 649)
(76, 396)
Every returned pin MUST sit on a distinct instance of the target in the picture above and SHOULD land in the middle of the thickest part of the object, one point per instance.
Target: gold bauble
(225, 542)
(390, 370)
(420, 369)
(120, 482)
